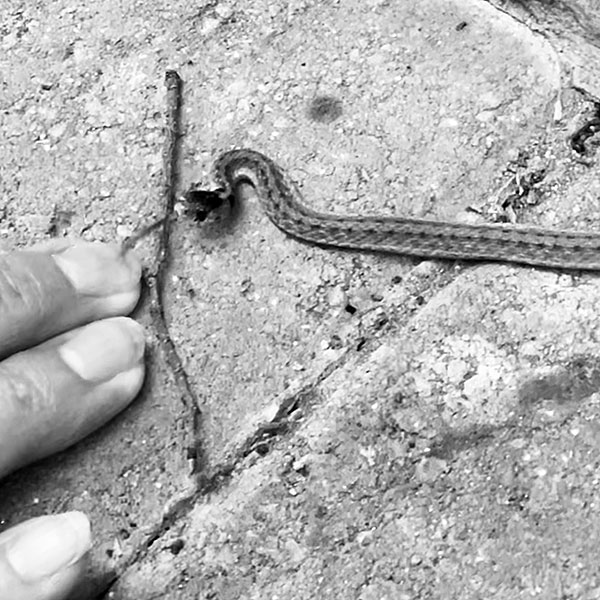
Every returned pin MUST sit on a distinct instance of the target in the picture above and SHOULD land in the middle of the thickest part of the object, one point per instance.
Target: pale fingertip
(47, 545)
(97, 269)
(123, 388)
(102, 350)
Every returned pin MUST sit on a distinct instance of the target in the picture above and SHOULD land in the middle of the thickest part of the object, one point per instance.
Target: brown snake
(283, 204)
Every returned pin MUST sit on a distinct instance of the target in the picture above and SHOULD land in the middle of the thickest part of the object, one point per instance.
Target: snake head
(200, 203)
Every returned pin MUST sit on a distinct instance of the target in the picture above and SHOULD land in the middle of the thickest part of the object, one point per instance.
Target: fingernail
(97, 269)
(48, 545)
(102, 350)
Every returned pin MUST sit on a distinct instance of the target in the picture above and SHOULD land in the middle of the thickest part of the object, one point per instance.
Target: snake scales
(283, 204)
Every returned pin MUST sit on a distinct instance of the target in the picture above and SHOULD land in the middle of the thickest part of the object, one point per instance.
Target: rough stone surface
(374, 427)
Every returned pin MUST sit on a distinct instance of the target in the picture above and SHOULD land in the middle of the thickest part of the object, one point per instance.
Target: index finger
(49, 291)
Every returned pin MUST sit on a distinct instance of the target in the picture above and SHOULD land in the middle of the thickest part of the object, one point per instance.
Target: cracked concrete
(373, 426)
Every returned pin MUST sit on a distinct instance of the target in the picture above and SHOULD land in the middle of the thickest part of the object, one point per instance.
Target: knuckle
(24, 392)
(19, 288)
(28, 402)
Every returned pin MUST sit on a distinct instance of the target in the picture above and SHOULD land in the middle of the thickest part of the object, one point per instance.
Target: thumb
(41, 559)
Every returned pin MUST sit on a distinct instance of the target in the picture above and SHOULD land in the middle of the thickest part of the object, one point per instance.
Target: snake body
(283, 204)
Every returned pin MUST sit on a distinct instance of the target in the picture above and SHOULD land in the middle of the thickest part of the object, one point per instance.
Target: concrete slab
(374, 426)
(430, 118)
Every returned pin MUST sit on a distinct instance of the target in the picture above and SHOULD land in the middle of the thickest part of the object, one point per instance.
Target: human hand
(68, 363)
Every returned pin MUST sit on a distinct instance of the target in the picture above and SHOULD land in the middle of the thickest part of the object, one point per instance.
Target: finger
(53, 395)
(42, 559)
(44, 292)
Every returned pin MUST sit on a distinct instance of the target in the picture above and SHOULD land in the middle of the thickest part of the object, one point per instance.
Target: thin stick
(136, 236)
(156, 278)
(173, 85)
